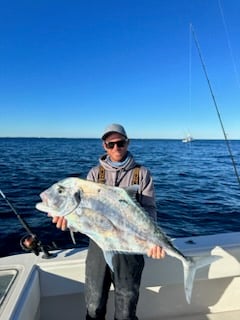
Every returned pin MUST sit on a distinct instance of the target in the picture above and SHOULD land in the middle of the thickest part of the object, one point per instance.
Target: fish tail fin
(190, 266)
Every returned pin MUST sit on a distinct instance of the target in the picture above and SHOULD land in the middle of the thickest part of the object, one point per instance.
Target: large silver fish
(113, 218)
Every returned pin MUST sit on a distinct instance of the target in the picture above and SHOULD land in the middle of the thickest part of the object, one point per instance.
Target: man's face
(116, 146)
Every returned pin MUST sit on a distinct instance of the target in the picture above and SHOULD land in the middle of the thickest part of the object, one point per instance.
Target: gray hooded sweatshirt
(122, 175)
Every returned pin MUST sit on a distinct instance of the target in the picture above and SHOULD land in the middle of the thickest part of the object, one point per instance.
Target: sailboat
(187, 139)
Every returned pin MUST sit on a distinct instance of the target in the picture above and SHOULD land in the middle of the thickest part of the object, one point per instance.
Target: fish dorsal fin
(132, 191)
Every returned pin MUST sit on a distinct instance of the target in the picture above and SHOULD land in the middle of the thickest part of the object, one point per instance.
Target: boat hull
(48, 288)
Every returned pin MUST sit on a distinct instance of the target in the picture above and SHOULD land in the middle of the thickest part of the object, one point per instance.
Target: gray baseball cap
(117, 128)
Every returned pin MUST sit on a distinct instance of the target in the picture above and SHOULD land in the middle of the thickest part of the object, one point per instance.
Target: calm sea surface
(196, 187)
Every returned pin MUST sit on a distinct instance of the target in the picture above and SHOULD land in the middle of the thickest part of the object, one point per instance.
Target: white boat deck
(76, 305)
(54, 288)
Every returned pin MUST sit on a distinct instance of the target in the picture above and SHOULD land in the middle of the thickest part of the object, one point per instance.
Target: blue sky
(69, 68)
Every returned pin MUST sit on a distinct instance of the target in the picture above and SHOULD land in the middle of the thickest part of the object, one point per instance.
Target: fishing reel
(30, 243)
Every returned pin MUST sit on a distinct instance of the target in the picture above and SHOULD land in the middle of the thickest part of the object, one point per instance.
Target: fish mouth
(57, 208)
(51, 211)
(43, 207)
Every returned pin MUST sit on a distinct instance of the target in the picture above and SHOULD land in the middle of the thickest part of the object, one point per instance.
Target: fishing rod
(215, 104)
(30, 242)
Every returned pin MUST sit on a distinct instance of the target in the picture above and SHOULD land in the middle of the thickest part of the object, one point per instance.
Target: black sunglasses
(119, 143)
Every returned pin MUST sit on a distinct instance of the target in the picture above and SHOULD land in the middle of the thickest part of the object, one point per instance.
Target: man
(117, 168)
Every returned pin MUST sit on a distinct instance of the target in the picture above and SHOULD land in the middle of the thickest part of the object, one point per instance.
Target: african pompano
(113, 218)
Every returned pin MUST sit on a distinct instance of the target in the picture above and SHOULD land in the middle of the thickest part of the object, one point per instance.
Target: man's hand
(156, 252)
(61, 223)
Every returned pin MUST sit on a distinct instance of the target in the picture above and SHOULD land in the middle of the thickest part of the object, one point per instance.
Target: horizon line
(97, 138)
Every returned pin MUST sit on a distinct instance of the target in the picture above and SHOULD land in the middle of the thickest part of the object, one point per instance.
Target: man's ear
(104, 147)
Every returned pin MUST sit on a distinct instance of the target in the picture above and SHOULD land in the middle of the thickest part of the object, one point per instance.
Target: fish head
(61, 198)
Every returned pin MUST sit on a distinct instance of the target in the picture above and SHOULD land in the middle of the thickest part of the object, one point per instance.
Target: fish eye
(60, 189)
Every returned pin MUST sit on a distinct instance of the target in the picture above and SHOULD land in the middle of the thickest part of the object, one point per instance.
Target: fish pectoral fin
(108, 255)
(98, 219)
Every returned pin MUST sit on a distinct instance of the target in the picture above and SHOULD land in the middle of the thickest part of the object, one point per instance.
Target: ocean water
(196, 187)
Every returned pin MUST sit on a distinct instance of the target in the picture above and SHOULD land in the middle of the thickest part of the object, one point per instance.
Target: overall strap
(101, 175)
(135, 178)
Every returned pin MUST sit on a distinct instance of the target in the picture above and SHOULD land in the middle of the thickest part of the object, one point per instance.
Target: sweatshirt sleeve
(147, 193)
(93, 174)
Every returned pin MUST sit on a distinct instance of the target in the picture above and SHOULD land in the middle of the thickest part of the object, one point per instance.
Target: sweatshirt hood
(127, 164)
